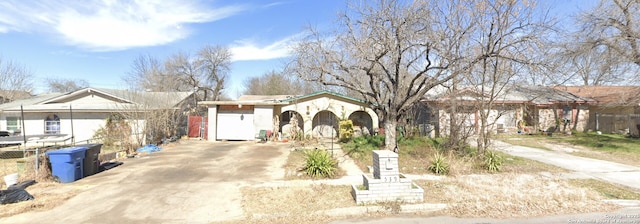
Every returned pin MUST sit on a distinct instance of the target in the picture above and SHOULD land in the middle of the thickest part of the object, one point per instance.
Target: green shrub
(492, 161)
(439, 164)
(360, 147)
(346, 130)
(375, 140)
(320, 164)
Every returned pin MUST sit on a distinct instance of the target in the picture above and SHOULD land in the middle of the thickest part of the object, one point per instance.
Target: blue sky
(98, 42)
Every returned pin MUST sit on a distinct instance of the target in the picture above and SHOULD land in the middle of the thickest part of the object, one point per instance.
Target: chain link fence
(31, 162)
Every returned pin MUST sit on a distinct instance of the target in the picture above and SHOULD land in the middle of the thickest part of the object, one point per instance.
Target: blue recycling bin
(67, 163)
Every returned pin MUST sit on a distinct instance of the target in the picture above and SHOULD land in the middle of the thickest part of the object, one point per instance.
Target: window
(13, 124)
(52, 125)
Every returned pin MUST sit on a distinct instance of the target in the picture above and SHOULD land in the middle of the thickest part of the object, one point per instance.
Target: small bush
(320, 164)
(492, 161)
(346, 130)
(439, 164)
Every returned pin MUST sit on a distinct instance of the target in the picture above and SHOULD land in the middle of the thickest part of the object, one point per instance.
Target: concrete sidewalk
(599, 169)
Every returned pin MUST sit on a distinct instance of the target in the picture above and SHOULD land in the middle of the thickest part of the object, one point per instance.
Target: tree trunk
(482, 135)
(390, 134)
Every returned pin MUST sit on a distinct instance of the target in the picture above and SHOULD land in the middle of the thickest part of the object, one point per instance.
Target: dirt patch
(293, 166)
(511, 196)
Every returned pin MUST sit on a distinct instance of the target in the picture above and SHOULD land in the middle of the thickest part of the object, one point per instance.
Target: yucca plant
(492, 161)
(320, 164)
(439, 164)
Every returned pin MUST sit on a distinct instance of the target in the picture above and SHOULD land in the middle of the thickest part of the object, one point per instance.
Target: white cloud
(246, 50)
(110, 24)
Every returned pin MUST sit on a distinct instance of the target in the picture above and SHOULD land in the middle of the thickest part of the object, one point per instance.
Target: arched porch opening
(287, 120)
(325, 125)
(362, 123)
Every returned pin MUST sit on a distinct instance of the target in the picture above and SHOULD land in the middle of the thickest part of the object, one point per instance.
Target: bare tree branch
(15, 81)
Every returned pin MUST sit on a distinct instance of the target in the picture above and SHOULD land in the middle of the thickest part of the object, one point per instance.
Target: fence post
(37, 161)
(629, 128)
(597, 121)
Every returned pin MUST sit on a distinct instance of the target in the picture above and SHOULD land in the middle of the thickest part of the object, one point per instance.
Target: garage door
(235, 125)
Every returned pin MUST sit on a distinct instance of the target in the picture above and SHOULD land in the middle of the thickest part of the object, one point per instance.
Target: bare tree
(393, 52)
(154, 116)
(204, 72)
(605, 50)
(508, 32)
(182, 70)
(147, 74)
(15, 81)
(616, 25)
(56, 85)
(278, 83)
(595, 65)
(215, 63)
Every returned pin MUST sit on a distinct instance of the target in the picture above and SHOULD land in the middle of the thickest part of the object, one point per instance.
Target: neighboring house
(316, 115)
(80, 113)
(517, 109)
(617, 108)
(7, 96)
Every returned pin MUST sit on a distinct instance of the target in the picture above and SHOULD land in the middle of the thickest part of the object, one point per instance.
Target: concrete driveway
(192, 182)
(583, 167)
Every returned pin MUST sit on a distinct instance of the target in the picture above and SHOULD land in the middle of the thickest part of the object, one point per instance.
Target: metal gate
(198, 127)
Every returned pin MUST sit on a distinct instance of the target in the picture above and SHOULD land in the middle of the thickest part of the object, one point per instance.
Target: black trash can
(91, 164)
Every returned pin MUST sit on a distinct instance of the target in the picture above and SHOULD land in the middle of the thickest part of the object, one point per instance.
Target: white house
(80, 113)
(317, 115)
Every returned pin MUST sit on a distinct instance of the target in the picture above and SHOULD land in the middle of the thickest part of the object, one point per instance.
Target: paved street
(625, 215)
(193, 182)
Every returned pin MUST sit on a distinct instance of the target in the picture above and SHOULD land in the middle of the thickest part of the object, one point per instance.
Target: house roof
(150, 99)
(277, 99)
(537, 95)
(29, 101)
(264, 98)
(11, 95)
(322, 93)
(121, 99)
(543, 95)
(607, 95)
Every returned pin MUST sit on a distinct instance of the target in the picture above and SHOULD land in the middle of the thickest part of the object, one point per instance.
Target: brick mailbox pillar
(385, 166)
(387, 184)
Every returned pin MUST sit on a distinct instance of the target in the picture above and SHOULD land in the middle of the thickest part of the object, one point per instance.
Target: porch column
(212, 114)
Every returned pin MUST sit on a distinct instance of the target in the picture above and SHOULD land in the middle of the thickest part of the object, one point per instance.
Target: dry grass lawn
(632, 159)
(295, 204)
(8, 166)
(511, 196)
(532, 141)
(607, 190)
(46, 195)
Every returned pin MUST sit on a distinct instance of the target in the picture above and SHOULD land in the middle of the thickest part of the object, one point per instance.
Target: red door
(197, 127)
